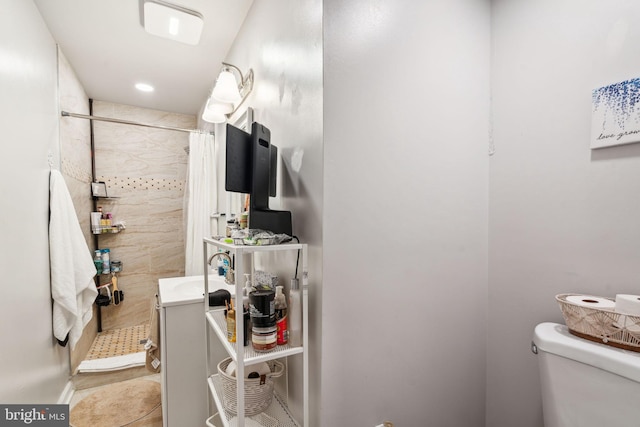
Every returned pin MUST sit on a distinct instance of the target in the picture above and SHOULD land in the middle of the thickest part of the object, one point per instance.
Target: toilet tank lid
(555, 339)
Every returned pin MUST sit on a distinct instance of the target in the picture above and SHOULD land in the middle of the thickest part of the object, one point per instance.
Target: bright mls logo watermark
(34, 415)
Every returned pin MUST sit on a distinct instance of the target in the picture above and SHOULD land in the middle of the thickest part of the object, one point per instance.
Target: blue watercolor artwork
(616, 114)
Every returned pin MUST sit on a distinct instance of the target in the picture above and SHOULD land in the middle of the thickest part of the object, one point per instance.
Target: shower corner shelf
(245, 355)
(108, 230)
(99, 192)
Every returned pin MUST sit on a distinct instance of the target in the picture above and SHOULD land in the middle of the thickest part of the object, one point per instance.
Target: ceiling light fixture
(215, 112)
(143, 87)
(171, 21)
(226, 88)
(227, 94)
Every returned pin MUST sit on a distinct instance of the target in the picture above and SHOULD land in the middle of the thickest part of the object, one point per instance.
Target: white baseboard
(67, 394)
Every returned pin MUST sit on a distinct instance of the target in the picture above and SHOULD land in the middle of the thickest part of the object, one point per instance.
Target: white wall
(563, 218)
(33, 368)
(406, 113)
(282, 41)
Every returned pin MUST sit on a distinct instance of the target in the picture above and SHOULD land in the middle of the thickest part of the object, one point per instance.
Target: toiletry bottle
(281, 317)
(295, 314)
(225, 262)
(231, 227)
(106, 263)
(97, 261)
(231, 323)
(103, 220)
(220, 267)
(247, 327)
(247, 289)
(96, 217)
(245, 306)
(244, 220)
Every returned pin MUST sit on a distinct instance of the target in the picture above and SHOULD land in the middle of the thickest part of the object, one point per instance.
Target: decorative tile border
(76, 171)
(133, 183)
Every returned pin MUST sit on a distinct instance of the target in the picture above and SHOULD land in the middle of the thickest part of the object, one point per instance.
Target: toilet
(585, 384)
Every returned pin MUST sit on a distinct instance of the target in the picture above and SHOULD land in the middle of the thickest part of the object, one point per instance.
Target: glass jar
(231, 227)
(116, 266)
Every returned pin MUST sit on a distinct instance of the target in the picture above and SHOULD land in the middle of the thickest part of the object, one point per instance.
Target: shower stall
(142, 162)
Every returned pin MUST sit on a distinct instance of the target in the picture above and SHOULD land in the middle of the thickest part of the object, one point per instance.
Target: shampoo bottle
(282, 336)
(295, 314)
(106, 263)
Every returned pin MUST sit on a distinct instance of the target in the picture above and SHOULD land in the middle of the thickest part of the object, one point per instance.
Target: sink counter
(188, 289)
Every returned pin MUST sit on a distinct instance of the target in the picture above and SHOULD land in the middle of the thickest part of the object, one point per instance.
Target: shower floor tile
(118, 342)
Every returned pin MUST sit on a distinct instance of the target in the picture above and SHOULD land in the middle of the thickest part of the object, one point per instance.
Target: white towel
(114, 363)
(72, 270)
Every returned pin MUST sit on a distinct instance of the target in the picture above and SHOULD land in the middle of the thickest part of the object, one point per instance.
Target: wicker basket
(258, 392)
(601, 325)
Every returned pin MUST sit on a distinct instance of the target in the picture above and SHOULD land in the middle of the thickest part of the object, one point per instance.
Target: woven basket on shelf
(258, 392)
(601, 325)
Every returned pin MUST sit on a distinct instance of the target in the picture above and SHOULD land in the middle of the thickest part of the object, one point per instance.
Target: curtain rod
(127, 122)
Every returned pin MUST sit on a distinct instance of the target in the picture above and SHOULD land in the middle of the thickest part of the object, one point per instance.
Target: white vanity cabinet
(184, 398)
(244, 356)
(183, 402)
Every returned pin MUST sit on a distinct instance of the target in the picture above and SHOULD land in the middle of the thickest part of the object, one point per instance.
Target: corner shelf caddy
(99, 192)
(244, 356)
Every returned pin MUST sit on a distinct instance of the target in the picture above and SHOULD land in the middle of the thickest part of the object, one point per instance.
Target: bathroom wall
(146, 169)
(400, 212)
(33, 368)
(406, 113)
(563, 218)
(282, 41)
(75, 154)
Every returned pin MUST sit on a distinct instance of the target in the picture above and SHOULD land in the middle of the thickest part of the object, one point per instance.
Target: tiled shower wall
(75, 159)
(145, 169)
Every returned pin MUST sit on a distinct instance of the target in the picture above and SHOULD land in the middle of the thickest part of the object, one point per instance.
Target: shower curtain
(200, 198)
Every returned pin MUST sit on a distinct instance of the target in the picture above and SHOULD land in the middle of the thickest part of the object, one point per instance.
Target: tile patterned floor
(118, 342)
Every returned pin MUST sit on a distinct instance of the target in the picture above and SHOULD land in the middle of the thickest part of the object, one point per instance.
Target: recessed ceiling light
(174, 26)
(173, 22)
(143, 87)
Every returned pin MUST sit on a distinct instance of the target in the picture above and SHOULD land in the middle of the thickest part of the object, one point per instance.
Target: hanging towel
(72, 270)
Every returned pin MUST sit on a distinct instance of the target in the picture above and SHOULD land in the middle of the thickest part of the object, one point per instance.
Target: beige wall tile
(146, 169)
(75, 165)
